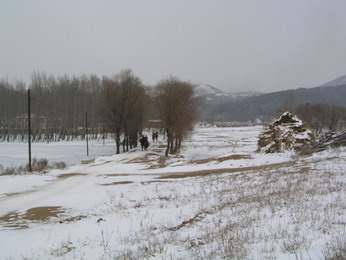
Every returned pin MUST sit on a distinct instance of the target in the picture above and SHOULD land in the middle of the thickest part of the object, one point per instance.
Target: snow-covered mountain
(336, 82)
(211, 92)
(202, 89)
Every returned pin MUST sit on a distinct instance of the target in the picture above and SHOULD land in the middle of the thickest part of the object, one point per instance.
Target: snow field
(71, 152)
(125, 206)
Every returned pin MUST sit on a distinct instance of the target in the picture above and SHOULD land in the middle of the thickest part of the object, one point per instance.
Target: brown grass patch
(222, 159)
(68, 175)
(114, 175)
(125, 174)
(157, 150)
(12, 220)
(87, 161)
(72, 219)
(39, 214)
(161, 163)
(144, 159)
(156, 166)
(11, 194)
(223, 170)
(154, 181)
(42, 213)
(116, 183)
(190, 221)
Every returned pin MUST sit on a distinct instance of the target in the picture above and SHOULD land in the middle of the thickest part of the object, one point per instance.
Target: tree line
(58, 107)
(323, 118)
(120, 106)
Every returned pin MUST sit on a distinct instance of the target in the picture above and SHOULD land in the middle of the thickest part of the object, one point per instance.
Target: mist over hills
(252, 106)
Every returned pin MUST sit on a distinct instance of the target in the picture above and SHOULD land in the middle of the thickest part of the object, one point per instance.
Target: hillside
(336, 82)
(211, 93)
(270, 104)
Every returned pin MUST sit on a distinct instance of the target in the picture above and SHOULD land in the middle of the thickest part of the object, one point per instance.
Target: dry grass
(147, 158)
(72, 219)
(222, 159)
(153, 181)
(18, 220)
(88, 161)
(116, 183)
(125, 174)
(11, 194)
(37, 166)
(251, 214)
(114, 175)
(69, 175)
(223, 170)
(42, 213)
(190, 221)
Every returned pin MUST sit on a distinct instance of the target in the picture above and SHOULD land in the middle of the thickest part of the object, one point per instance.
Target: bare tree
(177, 106)
(323, 117)
(123, 106)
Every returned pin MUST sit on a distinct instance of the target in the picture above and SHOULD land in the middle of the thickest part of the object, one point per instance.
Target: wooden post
(86, 132)
(104, 135)
(29, 129)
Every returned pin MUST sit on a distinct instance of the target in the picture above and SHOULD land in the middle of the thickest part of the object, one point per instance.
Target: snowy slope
(336, 82)
(206, 90)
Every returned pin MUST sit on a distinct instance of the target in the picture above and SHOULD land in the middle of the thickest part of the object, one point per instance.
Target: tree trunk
(117, 142)
(168, 145)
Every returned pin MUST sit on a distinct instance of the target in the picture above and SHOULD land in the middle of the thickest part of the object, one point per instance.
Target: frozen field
(218, 199)
(16, 154)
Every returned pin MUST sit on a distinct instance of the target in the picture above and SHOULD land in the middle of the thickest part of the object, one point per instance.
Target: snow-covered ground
(71, 152)
(217, 199)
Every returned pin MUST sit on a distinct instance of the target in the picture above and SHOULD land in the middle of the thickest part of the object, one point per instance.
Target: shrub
(59, 165)
(9, 171)
(37, 165)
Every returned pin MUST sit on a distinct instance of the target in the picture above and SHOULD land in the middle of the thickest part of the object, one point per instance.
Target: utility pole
(86, 132)
(103, 137)
(29, 129)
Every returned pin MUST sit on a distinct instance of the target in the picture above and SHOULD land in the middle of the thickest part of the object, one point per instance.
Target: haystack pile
(287, 133)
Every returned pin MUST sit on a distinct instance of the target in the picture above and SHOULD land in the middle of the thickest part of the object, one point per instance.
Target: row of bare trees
(323, 118)
(126, 106)
(120, 105)
(58, 107)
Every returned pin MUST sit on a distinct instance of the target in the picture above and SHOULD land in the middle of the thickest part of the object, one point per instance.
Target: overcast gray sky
(234, 45)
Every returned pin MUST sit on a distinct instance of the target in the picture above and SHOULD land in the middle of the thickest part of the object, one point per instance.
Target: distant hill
(202, 89)
(211, 92)
(250, 108)
(336, 82)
